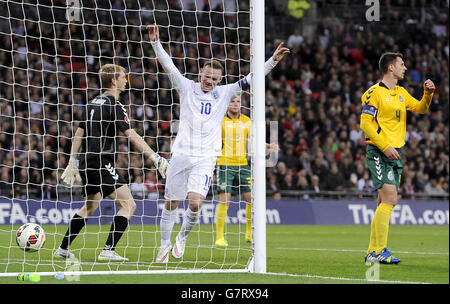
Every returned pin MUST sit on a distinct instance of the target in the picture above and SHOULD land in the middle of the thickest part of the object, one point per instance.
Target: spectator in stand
(295, 40)
(365, 183)
(444, 185)
(297, 8)
(281, 172)
(320, 169)
(272, 185)
(408, 188)
(138, 188)
(315, 185)
(420, 181)
(346, 167)
(433, 188)
(152, 186)
(5, 183)
(334, 179)
(288, 182)
(337, 52)
(290, 159)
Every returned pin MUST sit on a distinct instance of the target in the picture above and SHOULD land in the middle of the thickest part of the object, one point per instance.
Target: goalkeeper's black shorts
(105, 179)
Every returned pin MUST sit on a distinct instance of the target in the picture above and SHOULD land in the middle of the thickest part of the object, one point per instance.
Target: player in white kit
(198, 143)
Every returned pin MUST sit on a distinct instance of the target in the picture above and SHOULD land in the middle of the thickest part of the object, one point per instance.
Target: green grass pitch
(296, 254)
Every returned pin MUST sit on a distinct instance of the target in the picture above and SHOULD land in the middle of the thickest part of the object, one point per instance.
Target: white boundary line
(343, 279)
(206, 271)
(354, 250)
(202, 271)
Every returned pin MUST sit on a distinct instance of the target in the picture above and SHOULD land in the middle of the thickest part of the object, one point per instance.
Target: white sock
(190, 220)
(166, 225)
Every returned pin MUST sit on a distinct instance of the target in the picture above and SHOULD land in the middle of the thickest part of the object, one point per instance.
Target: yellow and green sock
(380, 228)
(221, 216)
(248, 215)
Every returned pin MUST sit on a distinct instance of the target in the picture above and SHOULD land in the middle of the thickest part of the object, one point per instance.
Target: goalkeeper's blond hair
(108, 72)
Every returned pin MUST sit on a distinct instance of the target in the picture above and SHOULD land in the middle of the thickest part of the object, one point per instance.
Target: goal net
(50, 55)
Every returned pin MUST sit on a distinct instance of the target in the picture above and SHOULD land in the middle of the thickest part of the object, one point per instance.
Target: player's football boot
(64, 254)
(178, 247)
(222, 242)
(370, 258)
(248, 238)
(385, 257)
(111, 255)
(163, 254)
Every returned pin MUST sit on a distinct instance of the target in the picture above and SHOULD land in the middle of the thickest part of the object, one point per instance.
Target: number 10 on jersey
(206, 108)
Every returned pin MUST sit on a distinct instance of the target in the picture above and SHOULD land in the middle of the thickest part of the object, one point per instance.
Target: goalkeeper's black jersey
(103, 118)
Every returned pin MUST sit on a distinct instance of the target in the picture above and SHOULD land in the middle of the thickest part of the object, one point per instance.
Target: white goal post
(49, 64)
(259, 134)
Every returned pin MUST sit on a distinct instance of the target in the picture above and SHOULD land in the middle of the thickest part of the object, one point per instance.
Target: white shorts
(188, 174)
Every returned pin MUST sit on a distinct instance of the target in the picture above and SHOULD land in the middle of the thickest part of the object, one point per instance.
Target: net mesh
(50, 55)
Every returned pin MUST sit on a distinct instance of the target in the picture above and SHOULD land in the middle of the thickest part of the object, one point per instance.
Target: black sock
(76, 224)
(118, 227)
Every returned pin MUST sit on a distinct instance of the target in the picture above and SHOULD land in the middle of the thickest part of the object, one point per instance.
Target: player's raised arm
(279, 53)
(277, 56)
(269, 65)
(422, 106)
(166, 62)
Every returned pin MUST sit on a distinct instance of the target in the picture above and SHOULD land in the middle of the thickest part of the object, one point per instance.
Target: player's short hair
(387, 59)
(213, 63)
(108, 72)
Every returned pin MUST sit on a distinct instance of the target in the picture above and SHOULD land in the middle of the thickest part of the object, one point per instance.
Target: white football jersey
(201, 116)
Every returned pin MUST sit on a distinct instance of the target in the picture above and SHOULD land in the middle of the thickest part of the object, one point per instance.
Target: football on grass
(30, 237)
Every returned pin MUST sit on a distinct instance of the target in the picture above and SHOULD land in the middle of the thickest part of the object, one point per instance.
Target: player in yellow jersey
(383, 120)
(233, 171)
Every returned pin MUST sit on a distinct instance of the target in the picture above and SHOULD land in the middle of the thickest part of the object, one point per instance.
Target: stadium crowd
(48, 72)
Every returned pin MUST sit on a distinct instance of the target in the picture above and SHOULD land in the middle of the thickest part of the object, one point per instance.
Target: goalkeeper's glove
(71, 174)
(160, 163)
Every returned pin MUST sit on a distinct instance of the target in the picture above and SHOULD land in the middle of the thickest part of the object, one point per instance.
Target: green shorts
(382, 169)
(234, 179)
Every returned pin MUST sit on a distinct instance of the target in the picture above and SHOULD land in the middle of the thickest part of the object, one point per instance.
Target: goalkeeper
(233, 171)
(95, 142)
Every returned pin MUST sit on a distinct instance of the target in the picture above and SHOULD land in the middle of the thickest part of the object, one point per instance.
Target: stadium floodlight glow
(67, 43)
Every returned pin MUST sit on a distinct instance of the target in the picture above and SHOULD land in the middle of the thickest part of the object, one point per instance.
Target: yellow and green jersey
(383, 117)
(234, 141)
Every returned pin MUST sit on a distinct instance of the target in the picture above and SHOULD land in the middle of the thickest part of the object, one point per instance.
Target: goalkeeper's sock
(248, 215)
(221, 215)
(118, 226)
(166, 225)
(76, 224)
(190, 220)
(381, 218)
(373, 237)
